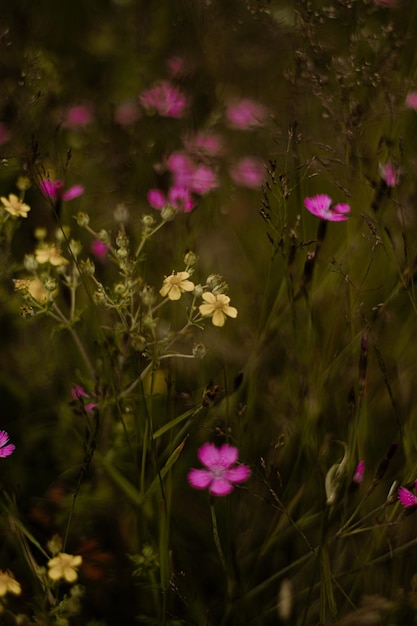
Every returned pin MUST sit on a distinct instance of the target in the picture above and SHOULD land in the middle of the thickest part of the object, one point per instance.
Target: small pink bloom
(99, 249)
(126, 114)
(91, 406)
(6, 448)
(203, 180)
(79, 116)
(204, 145)
(4, 133)
(389, 174)
(178, 197)
(178, 67)
(164, 99)
(248, 172)
(406, 497)
(245, 114)
(55, 190)
(78, 392)
(221, 471)
(360, 472)
(411, 100)
(320, 207)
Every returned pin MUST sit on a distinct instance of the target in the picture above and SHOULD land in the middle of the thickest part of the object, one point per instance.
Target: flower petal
(209, 455)
(230, 311)
(205, 309)
(4, 438)
(238, 474)
(199, 478)
(7, 450)
(220, 487)
(73, 192)
(406, 497)
(318, 205)
(218, 318)
(209, 297)
(227, 455)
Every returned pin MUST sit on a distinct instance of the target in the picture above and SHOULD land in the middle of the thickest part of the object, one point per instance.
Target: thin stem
(216, 537)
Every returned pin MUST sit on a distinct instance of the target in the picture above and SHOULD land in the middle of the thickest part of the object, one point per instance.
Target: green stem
(216, 537)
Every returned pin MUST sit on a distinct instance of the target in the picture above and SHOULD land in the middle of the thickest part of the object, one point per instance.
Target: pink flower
(79, 116)
(359, 474)
(6, 448)
(411, 100)
(221, 471)
(79, 393)
(245, 114)
(99, 249)
(55, 189)
(204, 145)
(178, 197)
(389, 174)
(406, 497)
(248, 172)
(164, 99)
(320, 207)
(186, 174)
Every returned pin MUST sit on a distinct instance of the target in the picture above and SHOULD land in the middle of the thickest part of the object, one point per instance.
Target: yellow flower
(14, 206)
(217, 305)
(175, 284)
(8, 584)
(37, 290)
(64, 566)
(49, 253)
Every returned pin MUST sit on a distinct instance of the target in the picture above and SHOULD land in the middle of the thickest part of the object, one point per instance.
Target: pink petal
(4, 438)
(341, 208)
(156, 199)
(73, 192)
(227, 455)
(7, 450)
(237, 474)
(90, 407)
(78, 392)
(360, 470)
(406, 497)
(209, 455)
(199, 478)
(318, 205)
(220, 487)
(51, 188)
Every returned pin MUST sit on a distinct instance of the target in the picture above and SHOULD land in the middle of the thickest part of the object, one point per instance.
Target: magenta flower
(126, 113)
(79, 116)
(187, 174)
(178, 197)
(99, 249)
(221, 471)
(389, 174)
(245, 114)
(320, 206)
(55, 190)
(359, 474)
(6, 448)
(411, 100)
(248, 172)
(79, 393)
(406, 497)
(204, 145)
(164, 99)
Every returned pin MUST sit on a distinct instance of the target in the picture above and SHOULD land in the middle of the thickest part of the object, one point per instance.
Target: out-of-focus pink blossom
(204, 145)
(79, 116)
(178, 197)
(248, 172)
(126, 113)
(55, 190)
(4, 133)
(320, 206)
(79, 393)
(178, 67)
(165, 99)
(360, 472)
(198, 178)
(99, 249)
(389, 174)
(411, 100)
(245, 114)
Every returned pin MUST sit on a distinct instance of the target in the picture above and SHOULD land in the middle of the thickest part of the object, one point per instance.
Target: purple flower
(221, 471)
(406, 497)
(55, 190)
(320, 206)
(79, 393)
(389, 174)
(245, 114)
(99, 249)
(6, 448)
(79, 116)
(248, 172)
(165, 99)
(359, 474)
(178, 197)
(411, 100)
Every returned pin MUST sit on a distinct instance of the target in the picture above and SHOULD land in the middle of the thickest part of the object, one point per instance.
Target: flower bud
(121, 214)
(199, 351)
(168, 213)
(82, 219)
(30, 263)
